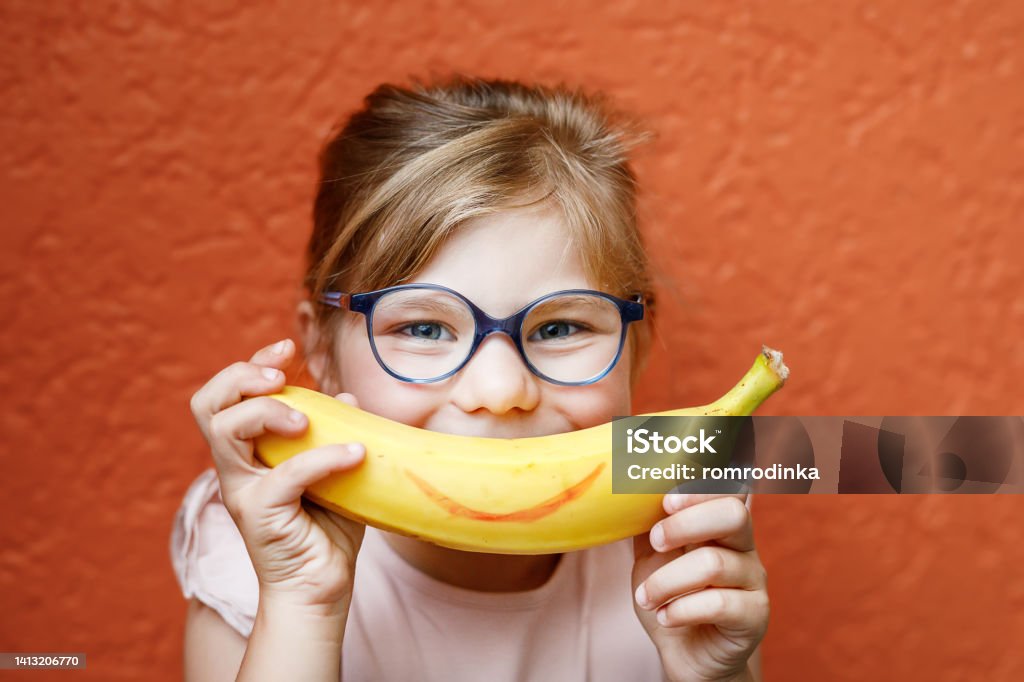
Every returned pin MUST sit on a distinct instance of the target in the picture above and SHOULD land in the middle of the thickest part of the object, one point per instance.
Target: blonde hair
(415, 162)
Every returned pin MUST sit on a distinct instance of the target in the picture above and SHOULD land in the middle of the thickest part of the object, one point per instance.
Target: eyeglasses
(421, 333)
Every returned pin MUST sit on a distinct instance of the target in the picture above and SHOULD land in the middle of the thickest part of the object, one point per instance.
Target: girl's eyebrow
(430, 305)
(442, 307)
(574, 299)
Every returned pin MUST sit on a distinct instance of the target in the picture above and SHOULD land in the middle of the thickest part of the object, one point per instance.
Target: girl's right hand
(300, 551)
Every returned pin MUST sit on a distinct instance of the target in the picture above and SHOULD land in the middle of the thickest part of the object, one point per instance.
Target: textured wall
(842, 180)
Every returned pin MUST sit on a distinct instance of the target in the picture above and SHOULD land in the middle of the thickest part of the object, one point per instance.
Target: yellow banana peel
(539, 495)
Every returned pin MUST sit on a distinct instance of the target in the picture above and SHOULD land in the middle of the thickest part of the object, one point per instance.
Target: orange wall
(844, 181)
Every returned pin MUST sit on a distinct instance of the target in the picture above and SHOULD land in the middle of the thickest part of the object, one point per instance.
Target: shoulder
(209, 557)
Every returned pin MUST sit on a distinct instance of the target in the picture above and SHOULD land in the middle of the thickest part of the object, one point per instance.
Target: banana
(539, 495)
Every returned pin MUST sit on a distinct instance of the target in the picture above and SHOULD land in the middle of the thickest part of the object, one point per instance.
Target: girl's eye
(556, 330)
(429, 331)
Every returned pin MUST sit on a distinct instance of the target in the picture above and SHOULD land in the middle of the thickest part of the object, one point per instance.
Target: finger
(229, 386)
(646, 561)
(674, 502)
(742, 611)
(274, 355)
(726, 520)
(348, 399)
(703, 567)
(232, 431)
(218, 393)
(286, 482)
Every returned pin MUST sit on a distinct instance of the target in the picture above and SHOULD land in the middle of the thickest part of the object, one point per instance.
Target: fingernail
(296, 416)
(663, 616)
(675, 502)
(279, 347)
(657, 537)
(641, 595)
(356, 449)
(271, 374)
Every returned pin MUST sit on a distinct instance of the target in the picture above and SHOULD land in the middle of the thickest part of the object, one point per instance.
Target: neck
(473, 570)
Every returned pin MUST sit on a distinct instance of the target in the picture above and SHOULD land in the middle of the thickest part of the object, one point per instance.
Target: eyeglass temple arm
(335, 298)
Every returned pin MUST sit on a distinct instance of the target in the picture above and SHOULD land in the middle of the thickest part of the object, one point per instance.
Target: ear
(316, 357)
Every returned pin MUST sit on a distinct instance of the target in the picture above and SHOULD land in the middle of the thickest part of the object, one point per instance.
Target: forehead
(505, 260)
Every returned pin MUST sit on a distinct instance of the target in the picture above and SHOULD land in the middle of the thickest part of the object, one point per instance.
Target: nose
(496, 379)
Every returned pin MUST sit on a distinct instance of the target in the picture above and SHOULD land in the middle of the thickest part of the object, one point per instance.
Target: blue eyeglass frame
(630, 311)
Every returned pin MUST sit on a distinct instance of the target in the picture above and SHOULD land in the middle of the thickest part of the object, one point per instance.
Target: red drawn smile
(533, 513)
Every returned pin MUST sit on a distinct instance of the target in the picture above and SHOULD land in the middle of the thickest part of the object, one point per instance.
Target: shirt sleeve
(209, 556)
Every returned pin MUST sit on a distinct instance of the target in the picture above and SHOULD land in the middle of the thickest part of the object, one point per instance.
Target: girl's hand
(301, 553)
(700, 589)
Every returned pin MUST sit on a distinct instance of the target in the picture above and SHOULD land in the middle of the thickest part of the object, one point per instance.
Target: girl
(439, 203)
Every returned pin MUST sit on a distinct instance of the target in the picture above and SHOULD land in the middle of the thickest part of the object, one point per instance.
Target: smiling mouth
(537, 511)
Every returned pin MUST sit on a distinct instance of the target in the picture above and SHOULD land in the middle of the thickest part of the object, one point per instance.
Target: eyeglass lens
(426, 333)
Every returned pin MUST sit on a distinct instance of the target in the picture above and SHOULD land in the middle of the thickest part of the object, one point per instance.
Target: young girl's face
(501, 262)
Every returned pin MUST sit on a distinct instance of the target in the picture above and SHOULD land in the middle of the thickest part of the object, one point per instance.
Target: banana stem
(767, 375)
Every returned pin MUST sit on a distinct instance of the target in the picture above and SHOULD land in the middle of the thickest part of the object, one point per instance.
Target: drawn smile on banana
(537, 511)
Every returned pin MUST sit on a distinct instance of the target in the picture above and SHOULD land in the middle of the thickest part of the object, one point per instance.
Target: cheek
(359, 372)
(377, 391)
(596, 404)
(616, 388)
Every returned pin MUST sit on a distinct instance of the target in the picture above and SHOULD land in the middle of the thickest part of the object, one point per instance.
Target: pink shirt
(405, 625)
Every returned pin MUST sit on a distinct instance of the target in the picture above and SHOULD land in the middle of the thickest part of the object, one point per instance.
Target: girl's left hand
(699, 587)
